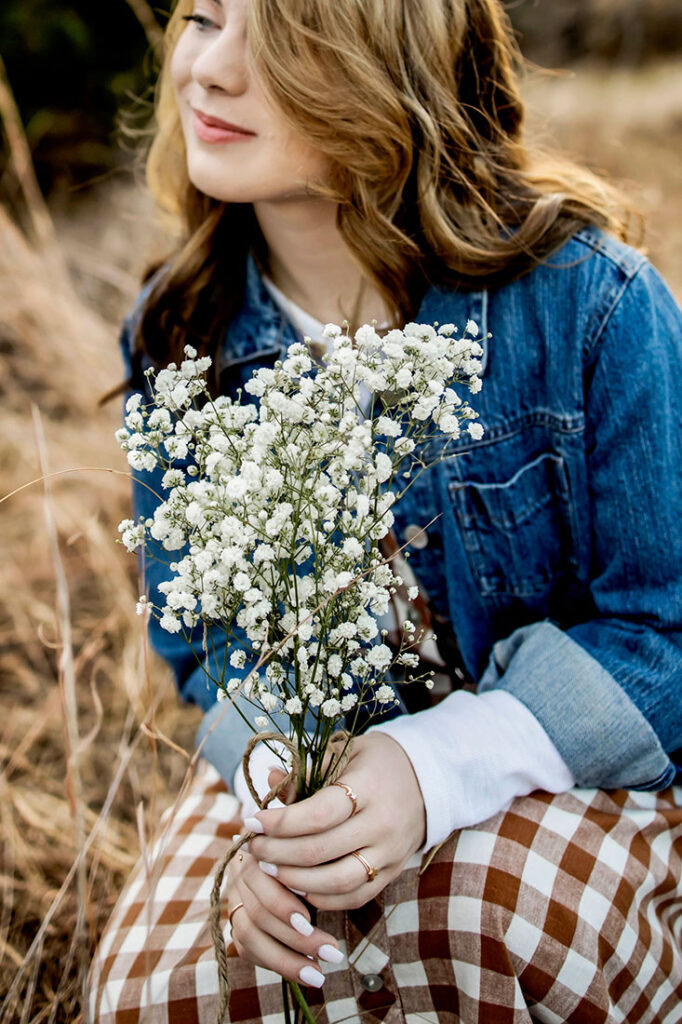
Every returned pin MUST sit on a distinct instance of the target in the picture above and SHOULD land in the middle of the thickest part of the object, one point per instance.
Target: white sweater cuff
(472, 754)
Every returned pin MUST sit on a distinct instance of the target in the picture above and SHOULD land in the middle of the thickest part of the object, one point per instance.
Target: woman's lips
(211, 130)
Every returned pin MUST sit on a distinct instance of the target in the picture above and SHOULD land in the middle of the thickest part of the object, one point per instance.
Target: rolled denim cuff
(227, 736)
(600, 733)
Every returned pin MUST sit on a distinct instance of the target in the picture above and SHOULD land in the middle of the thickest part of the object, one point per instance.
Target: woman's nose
(222, 64)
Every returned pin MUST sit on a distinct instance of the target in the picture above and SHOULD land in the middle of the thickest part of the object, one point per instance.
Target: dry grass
(628, 125)
(58, 354)
(75, 782)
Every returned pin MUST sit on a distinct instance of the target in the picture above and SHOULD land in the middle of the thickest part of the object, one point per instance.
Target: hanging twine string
(293, 777)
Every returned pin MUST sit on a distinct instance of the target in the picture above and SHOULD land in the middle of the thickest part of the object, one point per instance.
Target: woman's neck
(311, 264)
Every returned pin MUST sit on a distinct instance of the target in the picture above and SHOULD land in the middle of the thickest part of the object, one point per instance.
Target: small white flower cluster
(278, 505)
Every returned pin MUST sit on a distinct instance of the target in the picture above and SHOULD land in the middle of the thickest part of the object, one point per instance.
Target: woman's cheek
(181, 63)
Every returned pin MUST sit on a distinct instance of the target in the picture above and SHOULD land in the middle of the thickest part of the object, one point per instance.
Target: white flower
(255, 386)
(315, 697)
(384, 467)
(238, 659)
(269, 701)
(334, 665)
(388, 427)
(171, 623)
(384, 694)
(379, 656)
(132, 534)
(133, 403)
(142, 605)
(472, 328)
(331, 708)
(349, 701)
(261, 722)
(403, 378)
(411, 660)
(293, 706)
(221, 696)
(412, 593)
(476, 431)
(344, 631)
(352, 547)
(172, 478)
(141, 460)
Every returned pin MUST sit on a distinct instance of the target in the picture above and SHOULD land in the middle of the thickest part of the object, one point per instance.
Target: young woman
(511, 853)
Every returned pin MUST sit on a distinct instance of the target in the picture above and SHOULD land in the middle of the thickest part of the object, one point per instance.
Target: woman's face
(261, 158)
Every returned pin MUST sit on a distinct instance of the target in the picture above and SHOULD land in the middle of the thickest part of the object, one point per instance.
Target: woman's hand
(273, 927)
(309, 845)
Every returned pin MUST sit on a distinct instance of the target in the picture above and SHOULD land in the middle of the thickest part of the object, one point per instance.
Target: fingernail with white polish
(298, 892)
(309, 976)
(331, 954)
(301, 924)
(254, 825)
(269, 869)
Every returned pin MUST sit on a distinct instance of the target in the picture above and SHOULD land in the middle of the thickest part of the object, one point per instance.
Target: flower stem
(300, 999)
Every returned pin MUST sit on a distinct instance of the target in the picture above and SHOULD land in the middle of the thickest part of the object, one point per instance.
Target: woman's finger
(320, 848)
(340, 876)
(274, 910)
(324, 810)
(260, 948)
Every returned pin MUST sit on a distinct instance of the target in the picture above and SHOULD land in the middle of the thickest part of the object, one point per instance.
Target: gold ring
(371, 872)
(350, 794)
(233, 912)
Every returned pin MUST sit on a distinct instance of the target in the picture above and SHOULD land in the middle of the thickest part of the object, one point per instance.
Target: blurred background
(92, 741)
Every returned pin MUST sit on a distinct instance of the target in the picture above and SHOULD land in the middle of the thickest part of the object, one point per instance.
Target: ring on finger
(232, 912)
(350, 794)
(371, 871)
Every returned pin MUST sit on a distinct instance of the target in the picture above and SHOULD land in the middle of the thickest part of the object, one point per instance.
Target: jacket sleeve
(224, 725)
(607, 691)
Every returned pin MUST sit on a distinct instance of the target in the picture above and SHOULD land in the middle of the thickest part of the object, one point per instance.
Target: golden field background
(91, 734)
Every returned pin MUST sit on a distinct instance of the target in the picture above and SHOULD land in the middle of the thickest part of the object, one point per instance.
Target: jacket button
(416, 536)
(371, 982)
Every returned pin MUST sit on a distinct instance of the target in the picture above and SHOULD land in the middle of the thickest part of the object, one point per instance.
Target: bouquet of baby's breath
(277, 508)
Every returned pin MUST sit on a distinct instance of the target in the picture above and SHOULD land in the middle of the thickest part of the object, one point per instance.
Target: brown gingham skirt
(561, 908)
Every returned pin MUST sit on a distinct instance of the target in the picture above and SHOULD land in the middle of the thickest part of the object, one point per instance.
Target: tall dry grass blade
(126, 751)
(67, 681)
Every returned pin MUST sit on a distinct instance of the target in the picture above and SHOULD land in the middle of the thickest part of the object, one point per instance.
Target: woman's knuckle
(317, 816)
(348, 880)
(314, 852)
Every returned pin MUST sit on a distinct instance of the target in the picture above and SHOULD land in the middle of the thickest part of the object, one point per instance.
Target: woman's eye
(201, 22)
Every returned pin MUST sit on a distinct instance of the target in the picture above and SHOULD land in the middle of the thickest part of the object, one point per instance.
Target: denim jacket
(556, 554)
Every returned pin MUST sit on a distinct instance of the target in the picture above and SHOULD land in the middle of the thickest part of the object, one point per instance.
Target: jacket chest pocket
(518, 534)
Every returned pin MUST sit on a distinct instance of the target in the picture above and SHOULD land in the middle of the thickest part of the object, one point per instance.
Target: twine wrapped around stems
(293, 776)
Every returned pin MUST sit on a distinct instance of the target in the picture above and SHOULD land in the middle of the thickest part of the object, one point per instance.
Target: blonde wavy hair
(416, 105)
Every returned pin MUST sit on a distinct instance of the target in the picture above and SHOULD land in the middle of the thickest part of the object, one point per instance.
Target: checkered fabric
(563, 908)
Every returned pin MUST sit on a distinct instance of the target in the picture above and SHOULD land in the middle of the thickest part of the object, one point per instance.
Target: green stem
(300, 999)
